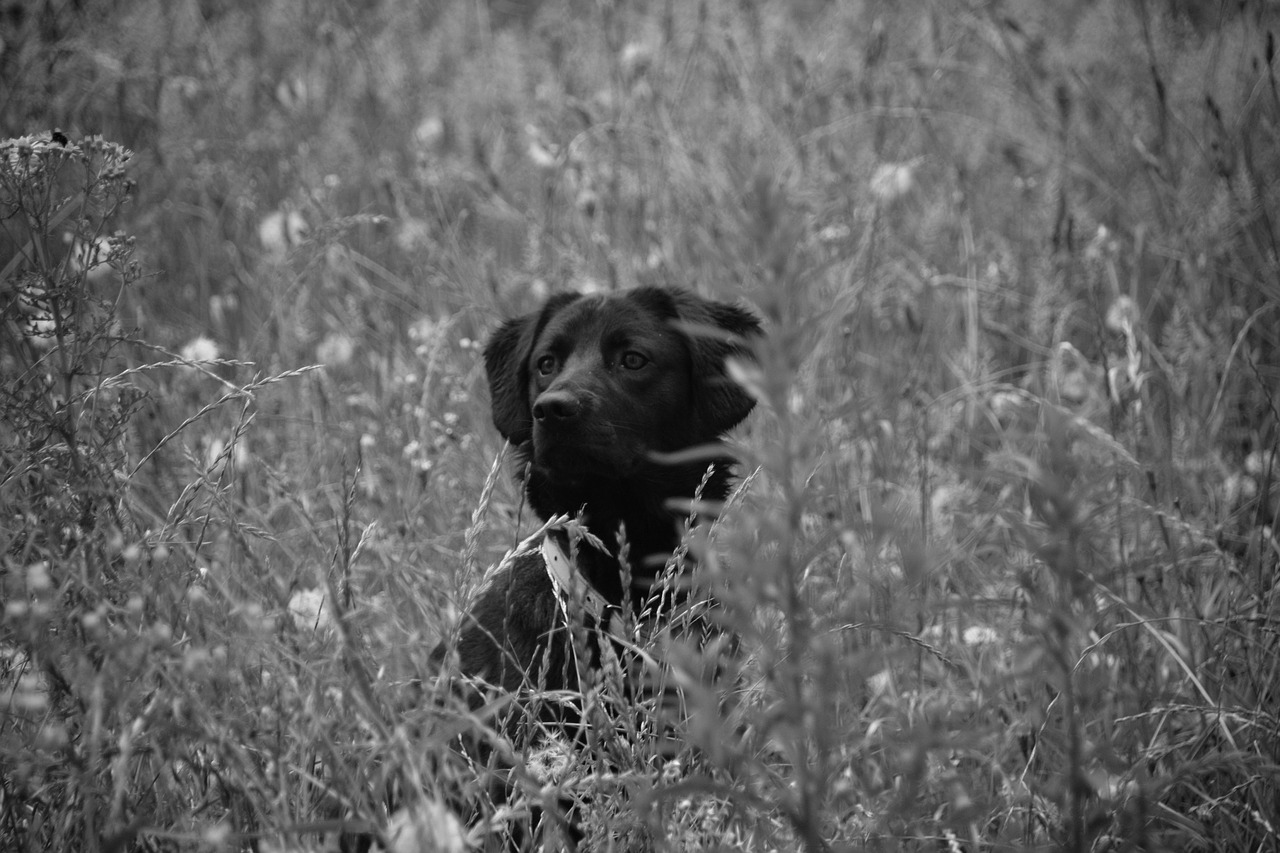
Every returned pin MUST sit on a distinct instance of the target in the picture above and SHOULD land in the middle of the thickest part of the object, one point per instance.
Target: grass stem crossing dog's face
(599, 392)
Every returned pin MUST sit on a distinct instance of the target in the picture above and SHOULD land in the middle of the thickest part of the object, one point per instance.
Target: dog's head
(602, 384)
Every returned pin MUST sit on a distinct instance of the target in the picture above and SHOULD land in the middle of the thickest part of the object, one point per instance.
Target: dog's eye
(547, 365)
(632, 360)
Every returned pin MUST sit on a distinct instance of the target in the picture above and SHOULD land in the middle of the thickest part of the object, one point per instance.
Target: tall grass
(1003, 566)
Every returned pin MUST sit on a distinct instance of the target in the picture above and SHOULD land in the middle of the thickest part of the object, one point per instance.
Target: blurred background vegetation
(1006, 569)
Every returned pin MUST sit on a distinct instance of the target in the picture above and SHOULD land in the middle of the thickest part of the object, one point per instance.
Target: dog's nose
(556, 406)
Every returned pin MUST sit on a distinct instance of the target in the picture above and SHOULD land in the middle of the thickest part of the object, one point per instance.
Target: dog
(615, 405)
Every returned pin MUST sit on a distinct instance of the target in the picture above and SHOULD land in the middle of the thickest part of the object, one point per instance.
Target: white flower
(428, 826)
(28, 693)
(216, 454)
(1122, 316)
(549, 762)
(980, 635)
(335, 350)
(199, 349)
(1100, 245)
(310, 610)
(38, 577)
(1257, 462)
(834, 233)
(891, 181)
(413, 233)
(427, 330)
(429, 132)
(542, 151)
(1006, 404)
(281, 230)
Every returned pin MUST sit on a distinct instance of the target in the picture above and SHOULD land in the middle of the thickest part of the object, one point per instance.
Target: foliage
(1003, 567)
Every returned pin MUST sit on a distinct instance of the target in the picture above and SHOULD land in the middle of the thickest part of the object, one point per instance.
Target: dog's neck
(645, 531)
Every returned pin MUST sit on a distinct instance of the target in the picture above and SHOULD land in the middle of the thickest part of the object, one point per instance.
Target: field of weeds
(1004, 561)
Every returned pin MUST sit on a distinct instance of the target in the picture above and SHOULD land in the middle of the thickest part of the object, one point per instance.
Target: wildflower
(1258, 462)
(429, 132)
(426, 331)
(218, 835)
(1101, 245)
(427, 826)
(548, 763)
(429, 334)
(38, 577)
(891, 181)
(834, 233)
(258, 619)
(281, 230)
(542, 152)
(412, 233)
(310, 611)
(335, 350)
(1075, 379)
(293, 93)
(1005, 404)
(217, 454)
(199, 349)
(1122, 316)
(29, 693)
(980, 635)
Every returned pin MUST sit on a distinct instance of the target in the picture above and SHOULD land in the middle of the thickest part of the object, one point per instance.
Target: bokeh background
(1005, 566)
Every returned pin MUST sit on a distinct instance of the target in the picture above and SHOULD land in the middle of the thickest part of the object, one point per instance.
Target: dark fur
(591, 435)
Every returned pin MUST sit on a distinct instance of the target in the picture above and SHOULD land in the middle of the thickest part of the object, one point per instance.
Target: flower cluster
(28, 162)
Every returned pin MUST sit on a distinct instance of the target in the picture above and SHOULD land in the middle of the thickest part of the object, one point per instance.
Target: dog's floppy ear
(506, 363)
(716, 331)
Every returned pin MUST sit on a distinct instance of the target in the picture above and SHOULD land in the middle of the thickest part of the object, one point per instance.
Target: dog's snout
(556, 406)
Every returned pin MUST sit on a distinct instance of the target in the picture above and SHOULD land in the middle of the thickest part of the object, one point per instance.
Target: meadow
(1003, 562)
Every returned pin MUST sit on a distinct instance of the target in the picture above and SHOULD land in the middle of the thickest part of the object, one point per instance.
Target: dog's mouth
(575, 455)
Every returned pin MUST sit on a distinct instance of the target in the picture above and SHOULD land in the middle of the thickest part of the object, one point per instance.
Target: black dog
(604, 398)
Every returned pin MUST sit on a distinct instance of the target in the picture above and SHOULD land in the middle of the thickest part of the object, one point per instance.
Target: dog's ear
(716, 331)
(506, 363)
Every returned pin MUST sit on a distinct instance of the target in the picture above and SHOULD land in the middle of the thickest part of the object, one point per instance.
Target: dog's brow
(618, 338)
(561, 341)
